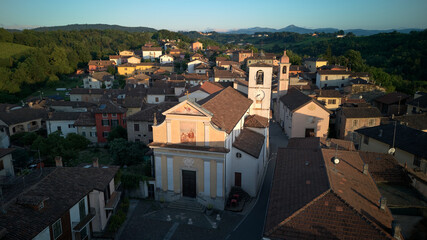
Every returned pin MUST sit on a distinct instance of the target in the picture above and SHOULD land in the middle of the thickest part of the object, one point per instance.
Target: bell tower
(259, 88)
(284, 66)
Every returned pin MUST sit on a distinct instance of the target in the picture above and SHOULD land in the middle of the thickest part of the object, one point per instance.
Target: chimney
(95, 162)
(154, 120)
(383, 203)
(58, 161)
(365, 169)
(395, 228)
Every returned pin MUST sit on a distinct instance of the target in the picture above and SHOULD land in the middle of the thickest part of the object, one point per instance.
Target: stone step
(190, 205)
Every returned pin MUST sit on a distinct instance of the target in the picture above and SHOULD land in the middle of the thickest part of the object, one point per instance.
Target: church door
(189, 183)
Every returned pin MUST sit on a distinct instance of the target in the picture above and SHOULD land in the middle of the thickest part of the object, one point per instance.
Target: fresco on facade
(188, 132)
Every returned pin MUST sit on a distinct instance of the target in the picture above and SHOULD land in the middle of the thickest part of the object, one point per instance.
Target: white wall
(151, 54)
(192, 64)
(66, 127)
(152, 98)
(166, 59)
(8, 166)
(43, 235)
(75, 214)
(333, 80)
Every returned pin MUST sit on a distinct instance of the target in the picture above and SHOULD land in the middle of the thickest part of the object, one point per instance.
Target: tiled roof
(383, 167)
(63, 116)
(5, 151)
(417, 121)
(328, 93)
(109, 107)
(63, 188)
(313, 198)
(242, 82)
(195, 77)
(85, 119)
(295, 99)
(101, 63)
(22, 115)
(132, 101)
(160, 91)
(228, 107)
(391, 98)
(256, 121)
(408, 139)
(102, 76)
(334, 72)
(419, 102)
(87, 91)
(260, 64)
(249, 142)
(218, 73)
(318, 143)
(151, 48)
(361, 112)
(147, 112)
(74, 104)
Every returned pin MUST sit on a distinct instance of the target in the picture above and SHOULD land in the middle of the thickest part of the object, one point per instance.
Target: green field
(10, 49)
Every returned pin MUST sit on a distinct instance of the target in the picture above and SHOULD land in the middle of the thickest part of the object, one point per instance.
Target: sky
(219, 15)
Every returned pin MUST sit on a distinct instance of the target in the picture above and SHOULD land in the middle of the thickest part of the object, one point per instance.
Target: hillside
(76, 27)
(10, 49)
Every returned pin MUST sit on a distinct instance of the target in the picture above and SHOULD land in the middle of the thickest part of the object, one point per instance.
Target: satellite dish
(391, 151)
(336, 160)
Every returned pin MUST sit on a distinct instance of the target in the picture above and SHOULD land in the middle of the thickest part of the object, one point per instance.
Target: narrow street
(252, 226)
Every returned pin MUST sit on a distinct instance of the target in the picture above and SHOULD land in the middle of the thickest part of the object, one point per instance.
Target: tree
(76, 141)
(118, 132)
(126, 153)
(340, 32)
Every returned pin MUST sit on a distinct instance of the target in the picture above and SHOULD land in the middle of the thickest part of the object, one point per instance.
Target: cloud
(19, 27)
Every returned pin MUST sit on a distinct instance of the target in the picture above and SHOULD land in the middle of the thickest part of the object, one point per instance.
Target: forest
(32, 59)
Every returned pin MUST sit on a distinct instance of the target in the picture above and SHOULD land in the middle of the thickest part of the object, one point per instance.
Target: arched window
(260, 77)
(284, 70)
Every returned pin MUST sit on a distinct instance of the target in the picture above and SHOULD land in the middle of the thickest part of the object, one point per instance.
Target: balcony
(85, 221)
(113, 201)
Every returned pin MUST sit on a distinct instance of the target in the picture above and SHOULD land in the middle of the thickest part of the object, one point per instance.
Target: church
(202, 149)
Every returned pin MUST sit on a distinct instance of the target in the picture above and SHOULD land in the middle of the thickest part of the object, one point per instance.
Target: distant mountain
(300, 30)
(96, 27)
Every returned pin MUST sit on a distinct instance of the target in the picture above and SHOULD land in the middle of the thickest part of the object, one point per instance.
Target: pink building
(196, 46)
(303, 116)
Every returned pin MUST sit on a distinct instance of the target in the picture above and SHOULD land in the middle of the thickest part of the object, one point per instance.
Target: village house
(202, 68)
(303, 116)
(100, 65)
(156, 95)
(6, 162)
(97, 80)
(108, 115)
(175, 52)
(405, 143)
(241, 56)
(69, 203)
(392, 103)
(196, 46)
(22, 120)
(139, 79)
(221, 75)
(332, 78)
(116, 59)
(339, 200)
(139, 125)
(134, 60)
(70, 106)
(313, 63)
(331, 98)
(241, 86)
(196, 56)
(227, 65)
(133, 69)
(86, 95)
(133, 104)
(417, 121)
(193, 79)
(200, 91)
(192, 65)
(151, 53)
(351, 117)
(63, 122)
(86, 126)
(261, 58)
(418, 105)
(127, 53)
(166, 58)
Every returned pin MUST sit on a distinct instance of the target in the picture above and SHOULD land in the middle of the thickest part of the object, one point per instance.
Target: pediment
(188, 108)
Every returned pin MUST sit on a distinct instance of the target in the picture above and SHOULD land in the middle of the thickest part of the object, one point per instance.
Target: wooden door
(237, 179)
(189, 183)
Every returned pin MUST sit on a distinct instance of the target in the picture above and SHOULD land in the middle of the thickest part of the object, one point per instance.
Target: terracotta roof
(87, 91)
(6, 151)
(391, 98)
(228, 107)
(160, 91)
(114, 57)
(101, 62)
(62, 188)
(73, 104)
(383, 167)
(313, 198)
(219, 73)
(295, 99)
(256, 121)
(109, 107)
(419, 102)
(318, 143)
(242, 82)
(63, 116)
(408, 139)
(361, 112)
(249, 142)
(195, 77)
(260, 64)
(102, 76)
(333, 72)
(147, 112)
(132, 101)
(85, 119)
(226, 62)
(417, 121)
(151, 48)
(328, 93)
(22, 115)
(189, 147)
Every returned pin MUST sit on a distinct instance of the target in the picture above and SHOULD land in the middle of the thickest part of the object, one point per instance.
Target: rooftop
(249, 142)
(391, 98)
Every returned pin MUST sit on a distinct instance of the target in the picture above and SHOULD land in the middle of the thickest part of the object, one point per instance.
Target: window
(105, 134)
(1, 165)
(342, 78)
(326, 77)
(355, 123)
(238, 155)
(92, 134)
(57, 229)
(157, 99)
(105, 123)
(260, 77)
(70, 125)
(59, 128)
(104, 115)
(84, 134)
(150, 127)
(417, 161)
(114, 123)
(114, 115)
(136, 127)
(332, 101)
(82, 209)
(366, 140)
(371, 122)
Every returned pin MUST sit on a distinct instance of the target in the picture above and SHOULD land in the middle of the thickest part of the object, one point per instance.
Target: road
(252, 226)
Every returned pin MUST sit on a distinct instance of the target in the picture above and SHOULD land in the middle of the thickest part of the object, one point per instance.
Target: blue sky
(217, 14)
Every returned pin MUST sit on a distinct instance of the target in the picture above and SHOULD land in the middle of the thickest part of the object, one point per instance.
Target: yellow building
(197, 149)
(131, 69)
